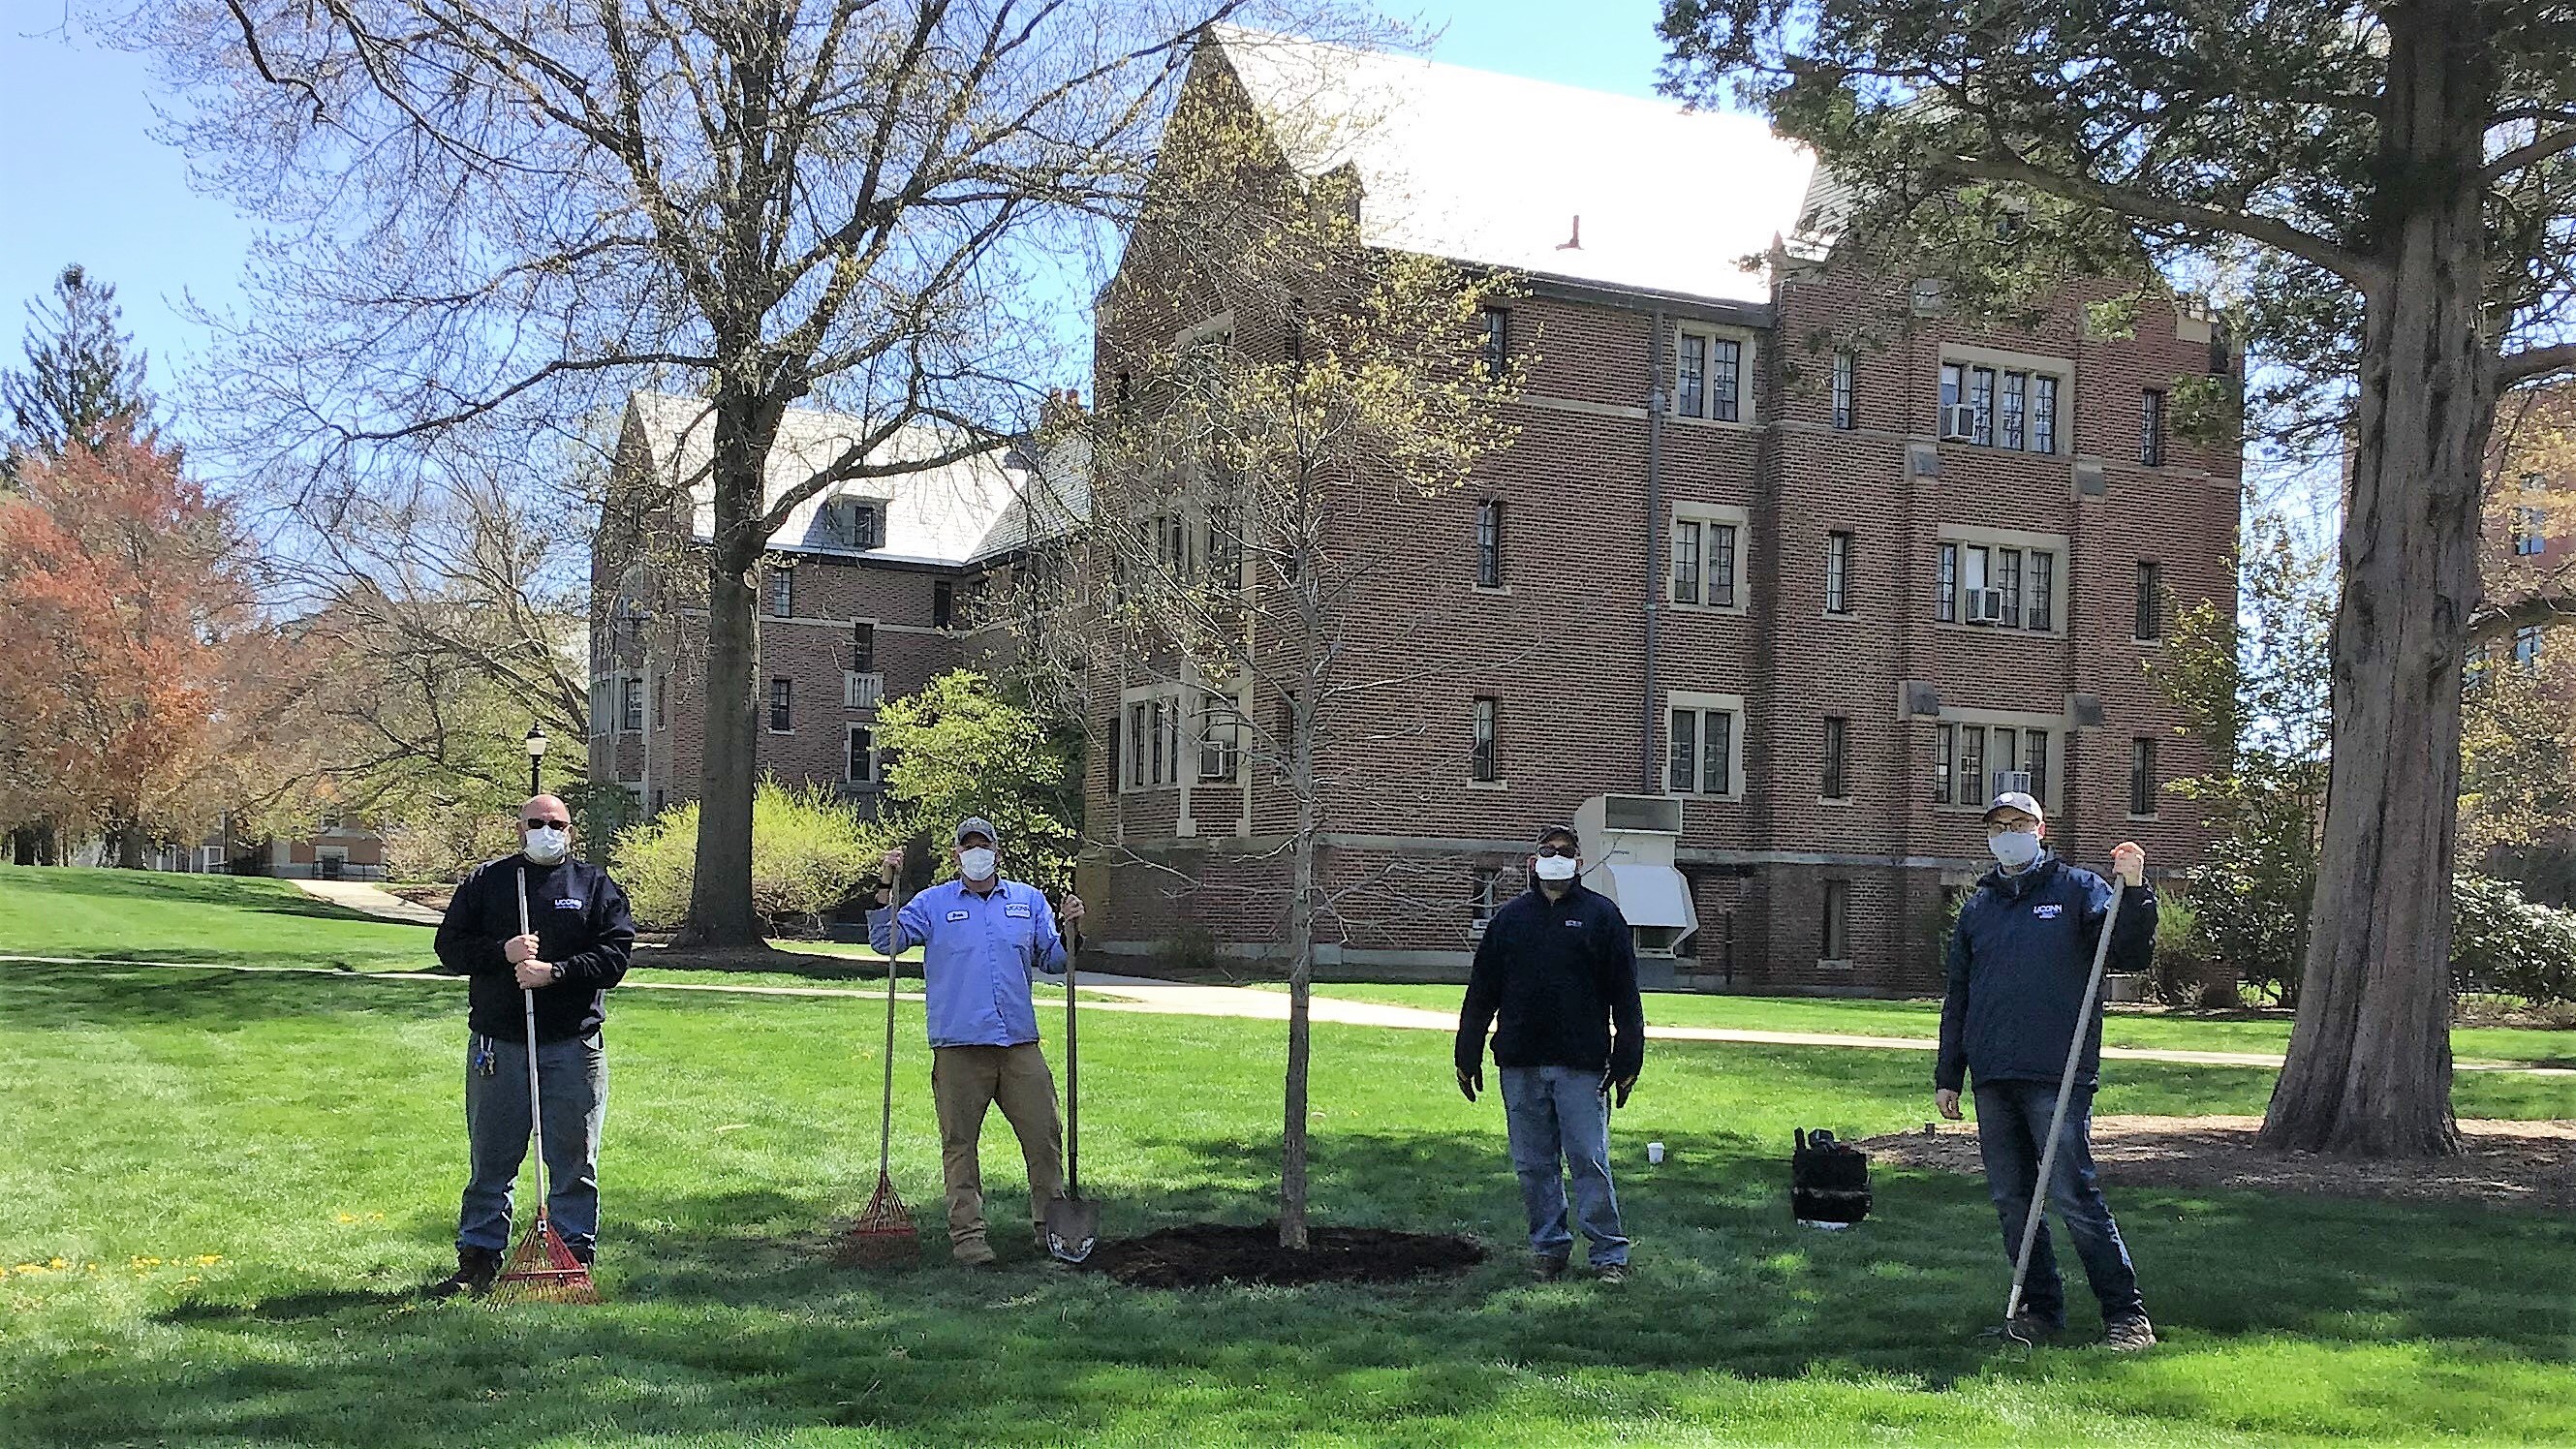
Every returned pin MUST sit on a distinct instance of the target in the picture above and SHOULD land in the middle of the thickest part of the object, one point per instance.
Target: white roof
(1479, 167)
(953, 513)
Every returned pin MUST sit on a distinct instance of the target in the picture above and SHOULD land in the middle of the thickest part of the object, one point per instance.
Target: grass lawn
(1922, 1019)
(241, 1176)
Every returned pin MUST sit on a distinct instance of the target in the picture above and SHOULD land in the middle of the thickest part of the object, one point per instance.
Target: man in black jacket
(2020, 957)
(572, 952)
(1558, 969)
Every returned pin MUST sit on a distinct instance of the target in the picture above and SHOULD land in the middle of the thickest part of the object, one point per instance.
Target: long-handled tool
(884, 1235)
(1072, 1224)
(2008, 1334)
(542, 1269)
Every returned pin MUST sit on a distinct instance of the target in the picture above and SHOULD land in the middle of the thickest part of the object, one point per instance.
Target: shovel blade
(1072, 1228)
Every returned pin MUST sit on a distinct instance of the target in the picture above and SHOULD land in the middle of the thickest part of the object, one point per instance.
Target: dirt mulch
(1199, 1255)
(2530, 1165)
(435, 897)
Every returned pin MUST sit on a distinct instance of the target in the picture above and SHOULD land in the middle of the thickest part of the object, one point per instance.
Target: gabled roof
(954, 513)
(1496, 169)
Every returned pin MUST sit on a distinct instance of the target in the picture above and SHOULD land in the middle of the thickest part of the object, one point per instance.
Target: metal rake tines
(883, 1232)
(542, 1269)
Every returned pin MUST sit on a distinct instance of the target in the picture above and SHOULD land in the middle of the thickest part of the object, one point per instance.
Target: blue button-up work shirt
(977, 952)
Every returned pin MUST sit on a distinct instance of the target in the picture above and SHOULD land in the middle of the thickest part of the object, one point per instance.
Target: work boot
(971, 1253)
(582, 1253)
(2130, 1335)
(1613, 1274)
(2035, 1328)
(475, 1270)
(1546, 1269)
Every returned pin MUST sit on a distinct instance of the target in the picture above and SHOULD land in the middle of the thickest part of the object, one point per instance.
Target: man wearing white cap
(981, 936)
(2020, 958)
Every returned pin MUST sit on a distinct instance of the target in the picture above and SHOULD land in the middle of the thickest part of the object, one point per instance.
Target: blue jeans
(2012, 1123)
(572, 1075)
(1553, 1113)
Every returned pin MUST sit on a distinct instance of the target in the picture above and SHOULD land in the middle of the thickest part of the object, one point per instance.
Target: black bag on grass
(1828, 1181)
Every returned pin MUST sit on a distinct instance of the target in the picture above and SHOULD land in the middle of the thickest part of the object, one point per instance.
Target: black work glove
(1471, 1080)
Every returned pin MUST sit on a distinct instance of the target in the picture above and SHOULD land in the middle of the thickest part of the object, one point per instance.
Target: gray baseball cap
(1553, 831)
(977, 825)
(2016, 800)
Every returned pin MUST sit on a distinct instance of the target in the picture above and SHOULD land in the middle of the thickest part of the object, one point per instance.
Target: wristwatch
(557, 967)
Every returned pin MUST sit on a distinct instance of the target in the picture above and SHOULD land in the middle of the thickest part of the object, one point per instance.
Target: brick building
(2528, 550)
(1811, 603)
(868, 591)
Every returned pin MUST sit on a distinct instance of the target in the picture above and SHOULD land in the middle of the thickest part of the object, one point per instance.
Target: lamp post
(536, 743)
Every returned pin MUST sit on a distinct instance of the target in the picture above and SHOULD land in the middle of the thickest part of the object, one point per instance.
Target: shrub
(809, 851)
(2501, 942)
(2249, 898)
(2186, 968)
(443, 846)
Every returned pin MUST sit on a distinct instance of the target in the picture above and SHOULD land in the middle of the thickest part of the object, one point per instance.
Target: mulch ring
(2529, 1165)
(1197, 1255)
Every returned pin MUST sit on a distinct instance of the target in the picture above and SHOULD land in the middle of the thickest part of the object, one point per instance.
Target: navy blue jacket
(1559, 974)
(2018, 962)
(582, 924)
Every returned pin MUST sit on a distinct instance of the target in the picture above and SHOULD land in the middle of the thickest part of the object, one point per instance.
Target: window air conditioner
(1959, 420)
(1985, 606)
(2010, 780)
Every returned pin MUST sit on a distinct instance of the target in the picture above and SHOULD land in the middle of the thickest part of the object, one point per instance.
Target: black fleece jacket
(581, 922)
(1558, 975)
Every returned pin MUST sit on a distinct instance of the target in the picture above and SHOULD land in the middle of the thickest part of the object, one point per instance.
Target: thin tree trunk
(1301, 978)
(720, 904)
(2369, 1068)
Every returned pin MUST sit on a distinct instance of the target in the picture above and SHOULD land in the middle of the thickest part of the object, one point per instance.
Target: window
(1834, 940)
(863, 755)
(1152, 735)
(1838, 564)
(1224, 554)
(1497, 348)
(943, 603)
(1987, 581)
(782, 593)
(2151, 428)
(1844, 418)
(1484, 755)
(662, 701)
(2530, 521)
(863, 647)
(2142, 777)
(1999, 407)
(2150, 623)
(1708, 377)
(1220, 740)
(782, 705)
(1973, 763)
(1171, 542)
(1700, 749)
(1837, 746)
(1489, 544)
(1483, 884)
(2526, 648)
(630, 705)
(1704, 555)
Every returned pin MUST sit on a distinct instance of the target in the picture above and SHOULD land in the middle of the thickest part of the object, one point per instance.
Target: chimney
(1060, 411)
(1574, 242)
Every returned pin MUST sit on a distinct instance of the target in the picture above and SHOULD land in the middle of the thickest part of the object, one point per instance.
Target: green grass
(1922, 1020)
(302, 1131)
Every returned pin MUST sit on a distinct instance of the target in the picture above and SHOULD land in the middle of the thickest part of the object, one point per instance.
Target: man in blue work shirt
(981, 935)
(1555, 972)
(2019, 960)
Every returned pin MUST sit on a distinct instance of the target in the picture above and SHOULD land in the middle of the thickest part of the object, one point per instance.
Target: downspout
(1654, 548)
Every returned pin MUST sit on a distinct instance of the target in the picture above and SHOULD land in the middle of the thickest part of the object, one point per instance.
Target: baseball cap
(2015, 800)
(1551, 832)
(977, 825)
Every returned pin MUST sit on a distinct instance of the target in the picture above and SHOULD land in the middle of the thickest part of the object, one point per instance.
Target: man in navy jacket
(573, 951)
(2020, 957)
(1558, 968)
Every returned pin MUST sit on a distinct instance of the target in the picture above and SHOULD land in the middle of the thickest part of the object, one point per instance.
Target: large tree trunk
(720, 907)
(1301, 978)
(129, 845)
(2369, 1068)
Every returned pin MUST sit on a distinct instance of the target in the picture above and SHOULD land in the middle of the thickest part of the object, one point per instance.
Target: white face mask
(1555, 867)
(2014, 849)
(546, 845)
(977, 864)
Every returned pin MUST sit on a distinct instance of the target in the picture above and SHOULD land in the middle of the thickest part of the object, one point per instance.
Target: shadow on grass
(247, 893)
(61, 997)
(725, 1318)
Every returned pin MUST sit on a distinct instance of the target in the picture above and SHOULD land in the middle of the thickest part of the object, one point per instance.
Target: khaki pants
(964, 1080)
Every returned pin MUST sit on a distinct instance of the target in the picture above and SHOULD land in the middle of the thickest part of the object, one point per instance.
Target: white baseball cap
(2016, 800)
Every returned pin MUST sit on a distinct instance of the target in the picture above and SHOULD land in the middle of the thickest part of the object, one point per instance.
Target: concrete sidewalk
(373, 900)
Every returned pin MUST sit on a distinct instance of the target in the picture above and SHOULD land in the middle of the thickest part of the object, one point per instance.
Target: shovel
(1072, 1224)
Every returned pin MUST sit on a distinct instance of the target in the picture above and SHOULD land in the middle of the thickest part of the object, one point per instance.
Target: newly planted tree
(2386, 193)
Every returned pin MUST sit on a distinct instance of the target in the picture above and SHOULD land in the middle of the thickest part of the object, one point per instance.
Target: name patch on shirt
(1574, 923)
(958, 916)
(569, 903)
(1020, 911)
(2047, 912)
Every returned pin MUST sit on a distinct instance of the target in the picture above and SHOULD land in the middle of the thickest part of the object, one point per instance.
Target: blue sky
(82, 177)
